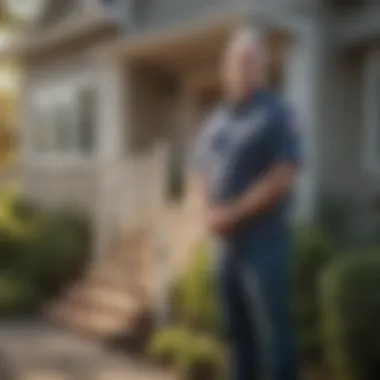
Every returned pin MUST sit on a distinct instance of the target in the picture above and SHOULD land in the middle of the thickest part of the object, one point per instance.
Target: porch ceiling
(187, 50)
(181, 49)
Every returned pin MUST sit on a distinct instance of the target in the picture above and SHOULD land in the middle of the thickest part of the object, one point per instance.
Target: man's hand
(221, 220)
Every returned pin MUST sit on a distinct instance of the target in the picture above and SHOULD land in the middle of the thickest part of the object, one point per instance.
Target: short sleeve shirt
(239, 144)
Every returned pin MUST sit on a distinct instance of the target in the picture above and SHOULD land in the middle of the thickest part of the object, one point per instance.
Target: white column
(302, 87)
(113, 110)
(111, 134)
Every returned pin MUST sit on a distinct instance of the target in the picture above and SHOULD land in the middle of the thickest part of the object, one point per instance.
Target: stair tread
(113, 293)
(95, 323)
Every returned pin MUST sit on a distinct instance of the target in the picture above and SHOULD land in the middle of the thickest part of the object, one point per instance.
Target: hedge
(40, 252)
(196, 300)
(193, 355)
(192, 345)
(350, 302)
(313, 250)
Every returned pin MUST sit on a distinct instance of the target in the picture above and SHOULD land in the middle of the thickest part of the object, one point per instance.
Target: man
(247, 159)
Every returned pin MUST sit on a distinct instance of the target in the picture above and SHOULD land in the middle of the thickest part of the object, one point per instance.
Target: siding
(42, 179)
(166, 13)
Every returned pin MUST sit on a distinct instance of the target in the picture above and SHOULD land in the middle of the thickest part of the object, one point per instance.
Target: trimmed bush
(40, 252)
(196, 302)
(312, 252)
(193, 348)
(165, 344)
(350, 300)
(194, 356)
(57, 253)
(17, 296)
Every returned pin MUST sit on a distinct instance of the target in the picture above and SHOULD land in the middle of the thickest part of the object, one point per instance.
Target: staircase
(115, 298)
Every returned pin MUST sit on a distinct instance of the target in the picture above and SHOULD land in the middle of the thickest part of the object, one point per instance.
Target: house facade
(113, 92)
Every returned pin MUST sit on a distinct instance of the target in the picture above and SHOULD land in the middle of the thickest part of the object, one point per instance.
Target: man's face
(242, 69)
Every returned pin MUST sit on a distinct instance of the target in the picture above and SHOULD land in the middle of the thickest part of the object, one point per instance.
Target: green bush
(43, 249)
(165, 344)
(57, 253)
(312, 251)
(194, 348)
(196, 303)
(13, 229)
(16, 295)
(351, 304)
(194, 356)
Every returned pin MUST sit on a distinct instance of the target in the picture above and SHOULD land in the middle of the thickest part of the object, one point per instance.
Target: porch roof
(177, 49)
(68, 31)
(185, 49)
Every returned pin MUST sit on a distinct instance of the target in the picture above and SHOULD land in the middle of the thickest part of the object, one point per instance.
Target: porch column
(189, 128)
(302, 87)
(193, 206)
(112, 111)
(111, 135)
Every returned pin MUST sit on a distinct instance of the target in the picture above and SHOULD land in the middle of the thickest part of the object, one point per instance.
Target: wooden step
(111, 299)
(135, 284)
(113, 294)
(97, 324)
(135, 260)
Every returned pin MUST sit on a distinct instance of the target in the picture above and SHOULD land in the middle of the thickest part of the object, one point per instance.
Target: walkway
(33, 351)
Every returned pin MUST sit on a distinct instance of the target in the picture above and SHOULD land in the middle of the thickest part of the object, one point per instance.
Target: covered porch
(166, 83)
(173, 79)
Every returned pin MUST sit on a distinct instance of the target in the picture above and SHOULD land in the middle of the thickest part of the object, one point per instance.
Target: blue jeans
(254, 294)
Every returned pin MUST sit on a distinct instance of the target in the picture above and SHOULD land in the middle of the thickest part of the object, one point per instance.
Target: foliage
(8, 119)
(165, 343)
(193, 348)
(40, 251)
(351, 307)
(57, 252)
(313, 249)
(195, 356)
(17, 295)
(196, 297)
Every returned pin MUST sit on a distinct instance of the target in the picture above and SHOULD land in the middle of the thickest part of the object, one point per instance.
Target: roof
(69, 29)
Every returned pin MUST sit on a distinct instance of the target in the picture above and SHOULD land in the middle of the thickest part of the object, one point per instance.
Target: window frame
(371, 107)
(48, 100)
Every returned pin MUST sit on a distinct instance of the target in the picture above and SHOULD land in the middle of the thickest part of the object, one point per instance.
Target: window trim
(66, 94)
(371, 103)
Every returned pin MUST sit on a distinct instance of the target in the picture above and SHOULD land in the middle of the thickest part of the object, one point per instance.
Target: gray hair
(249, 36)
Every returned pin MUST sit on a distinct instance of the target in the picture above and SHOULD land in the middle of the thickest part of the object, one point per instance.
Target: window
(87, 102)
(372, 112)
(65, 121)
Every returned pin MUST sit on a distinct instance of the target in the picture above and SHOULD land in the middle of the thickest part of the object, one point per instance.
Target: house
(113, 92)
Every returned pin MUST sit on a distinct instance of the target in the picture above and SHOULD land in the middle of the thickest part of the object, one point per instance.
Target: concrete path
(31, 350)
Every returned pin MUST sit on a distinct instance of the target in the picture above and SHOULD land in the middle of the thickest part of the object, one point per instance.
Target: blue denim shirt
(237, 146)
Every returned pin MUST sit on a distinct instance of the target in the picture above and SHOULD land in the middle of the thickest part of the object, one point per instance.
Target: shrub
(42, 249)
(194, 356)
(351, 303)
(17, 295)
(57, 252)
(196, 299)
(13, 230)
(312, 250)
(193, 348)
(165, 344)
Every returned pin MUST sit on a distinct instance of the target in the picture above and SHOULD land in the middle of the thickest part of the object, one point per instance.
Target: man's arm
(274, 184)
(262, 196)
